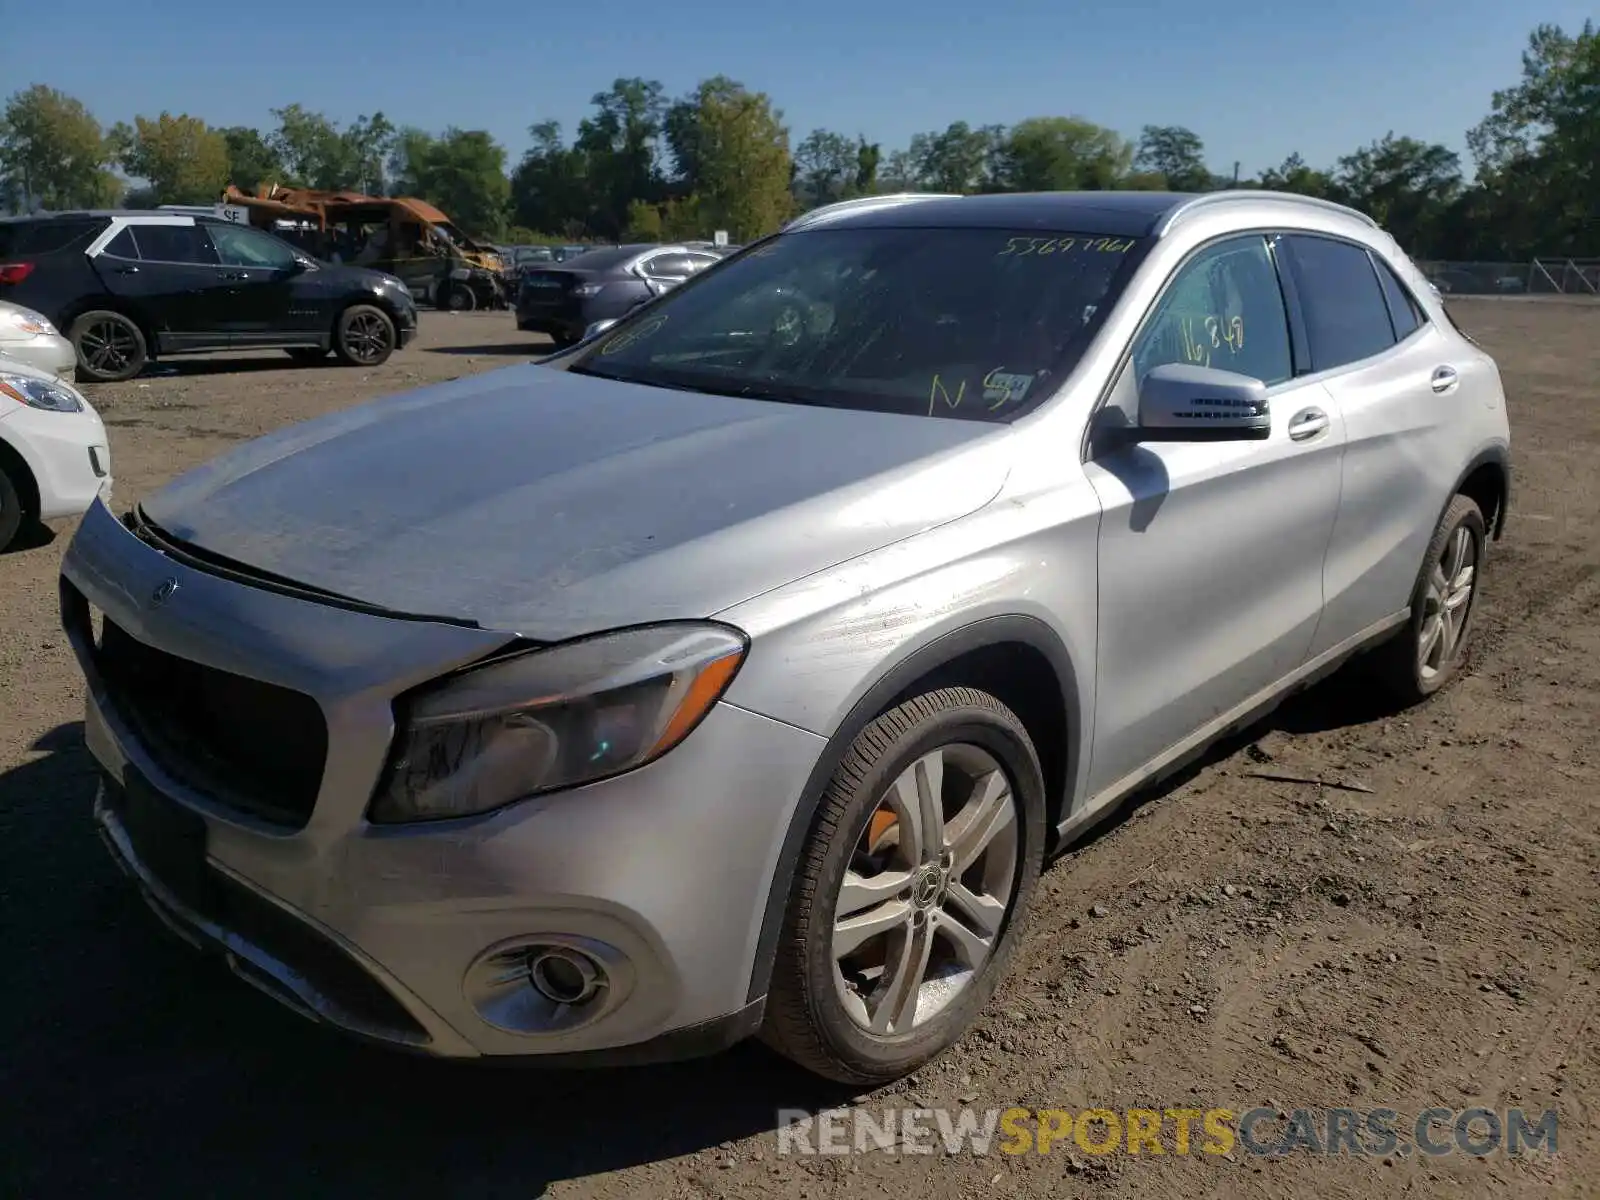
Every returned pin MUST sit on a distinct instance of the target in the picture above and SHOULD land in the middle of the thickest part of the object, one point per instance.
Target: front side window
(174, 244)
(1346, 316)
(1223, 309)
(240, 247)
(969, 324)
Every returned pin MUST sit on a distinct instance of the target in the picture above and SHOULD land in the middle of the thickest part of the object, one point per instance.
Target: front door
(1211, 553)
(261, 272)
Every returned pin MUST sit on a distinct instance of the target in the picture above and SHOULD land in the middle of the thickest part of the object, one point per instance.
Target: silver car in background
(736, 670)
(29, 337)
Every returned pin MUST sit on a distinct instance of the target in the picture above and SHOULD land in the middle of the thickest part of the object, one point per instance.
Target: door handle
(236, 274)
(128, 270)
(1444, 378)
(1307, 423)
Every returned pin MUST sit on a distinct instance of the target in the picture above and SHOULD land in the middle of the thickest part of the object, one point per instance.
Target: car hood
(550, 504)
(355, 276)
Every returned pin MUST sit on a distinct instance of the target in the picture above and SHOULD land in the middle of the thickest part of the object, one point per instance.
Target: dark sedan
(565, 299)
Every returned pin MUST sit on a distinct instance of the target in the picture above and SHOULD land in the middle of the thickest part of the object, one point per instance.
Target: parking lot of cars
(1368, 907)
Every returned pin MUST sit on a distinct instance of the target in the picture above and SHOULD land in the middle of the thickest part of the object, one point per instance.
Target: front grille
(242, 743)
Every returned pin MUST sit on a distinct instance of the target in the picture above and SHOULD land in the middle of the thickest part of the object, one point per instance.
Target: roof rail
(860, 203)
(1237, 195)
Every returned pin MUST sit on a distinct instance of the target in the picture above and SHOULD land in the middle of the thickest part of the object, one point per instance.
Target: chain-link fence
(1541, 277)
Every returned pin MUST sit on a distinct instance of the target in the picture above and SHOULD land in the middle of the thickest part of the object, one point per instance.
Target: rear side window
(1347, 318)
(19, 238)
(122, 246)
(1403, 309)
(174, 244)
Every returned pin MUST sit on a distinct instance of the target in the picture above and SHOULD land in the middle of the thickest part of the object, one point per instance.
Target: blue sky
(1256, 80)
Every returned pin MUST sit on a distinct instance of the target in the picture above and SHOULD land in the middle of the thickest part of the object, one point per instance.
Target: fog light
(548, 983)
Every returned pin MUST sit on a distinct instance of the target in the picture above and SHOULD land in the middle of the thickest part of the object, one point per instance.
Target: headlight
(554, 718)
(26, 320)
(49, 394)
(587, 289)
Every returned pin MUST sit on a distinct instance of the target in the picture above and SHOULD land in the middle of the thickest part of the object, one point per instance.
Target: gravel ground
(1424, 936)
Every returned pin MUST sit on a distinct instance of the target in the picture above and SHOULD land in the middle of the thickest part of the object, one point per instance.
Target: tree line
(647, 166)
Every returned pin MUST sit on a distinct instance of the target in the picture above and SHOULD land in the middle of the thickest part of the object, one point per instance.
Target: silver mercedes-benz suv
(735, 670)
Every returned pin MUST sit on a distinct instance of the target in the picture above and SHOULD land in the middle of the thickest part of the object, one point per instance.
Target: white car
(54, 458)
(28, 336)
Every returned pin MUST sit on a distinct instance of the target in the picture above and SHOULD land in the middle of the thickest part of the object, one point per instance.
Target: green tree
(959, 159)
(53, 153)
(1175, 153)
(619, 147)
(317, 154)
(183, 159)
(1044, 154)
(1403, 184)
(548, 189)
(1293, 175)
(1538, 150)
(826, 166)
(462, 172)
(744, 168)
(251, 161)
(868, 156)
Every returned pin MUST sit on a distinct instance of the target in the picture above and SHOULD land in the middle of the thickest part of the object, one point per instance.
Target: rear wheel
(110, 346)
(909, 897)
(457, 297)
(1432, 648)
(365, 336)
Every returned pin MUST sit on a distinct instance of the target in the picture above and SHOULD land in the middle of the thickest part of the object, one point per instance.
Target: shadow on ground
(147, 1069)
(32, 536)
(135, 1066)
(1348, 698)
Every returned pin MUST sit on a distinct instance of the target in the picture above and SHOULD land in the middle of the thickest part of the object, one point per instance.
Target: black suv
(128, 287)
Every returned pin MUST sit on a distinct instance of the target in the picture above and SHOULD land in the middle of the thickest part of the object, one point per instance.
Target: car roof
(1107, 214)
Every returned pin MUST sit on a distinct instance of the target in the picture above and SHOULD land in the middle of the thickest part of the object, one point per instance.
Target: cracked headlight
(49, 394)
(554, 718)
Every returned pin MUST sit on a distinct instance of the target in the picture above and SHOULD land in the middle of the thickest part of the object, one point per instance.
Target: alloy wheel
(108, 347)
(367, 337)
(923, 903)
(1447, 602)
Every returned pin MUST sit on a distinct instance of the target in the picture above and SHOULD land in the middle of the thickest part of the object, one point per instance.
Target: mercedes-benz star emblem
(163, 593)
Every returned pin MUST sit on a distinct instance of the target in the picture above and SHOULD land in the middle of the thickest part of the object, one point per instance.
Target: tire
(1426, 654)
(12, 515)
(111, 347)
(834, 1020)
(457, 297)
(307, 356)
(364, 336)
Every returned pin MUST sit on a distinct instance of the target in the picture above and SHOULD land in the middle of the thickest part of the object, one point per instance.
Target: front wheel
(909, 897)
(365, 336)
(1432, 647)
(12, 514)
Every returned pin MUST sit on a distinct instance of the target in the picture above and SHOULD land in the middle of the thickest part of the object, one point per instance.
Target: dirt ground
(1431, 939)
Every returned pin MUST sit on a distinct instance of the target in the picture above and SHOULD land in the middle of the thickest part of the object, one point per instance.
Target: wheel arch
(21, 475)
(1019, 659)
(1487, 480)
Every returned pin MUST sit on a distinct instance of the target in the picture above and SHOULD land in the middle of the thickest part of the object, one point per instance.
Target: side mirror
(598, 327)
(1179, 402)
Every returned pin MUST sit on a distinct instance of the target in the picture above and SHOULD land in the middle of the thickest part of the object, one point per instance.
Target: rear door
(261, 272)
(1398, 381)
(1211, 553)
(166, 269)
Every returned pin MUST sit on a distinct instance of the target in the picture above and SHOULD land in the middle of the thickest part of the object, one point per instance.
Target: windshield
(972, 324)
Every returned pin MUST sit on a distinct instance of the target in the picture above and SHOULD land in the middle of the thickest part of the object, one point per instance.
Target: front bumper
(68, 455)
(413, 911)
